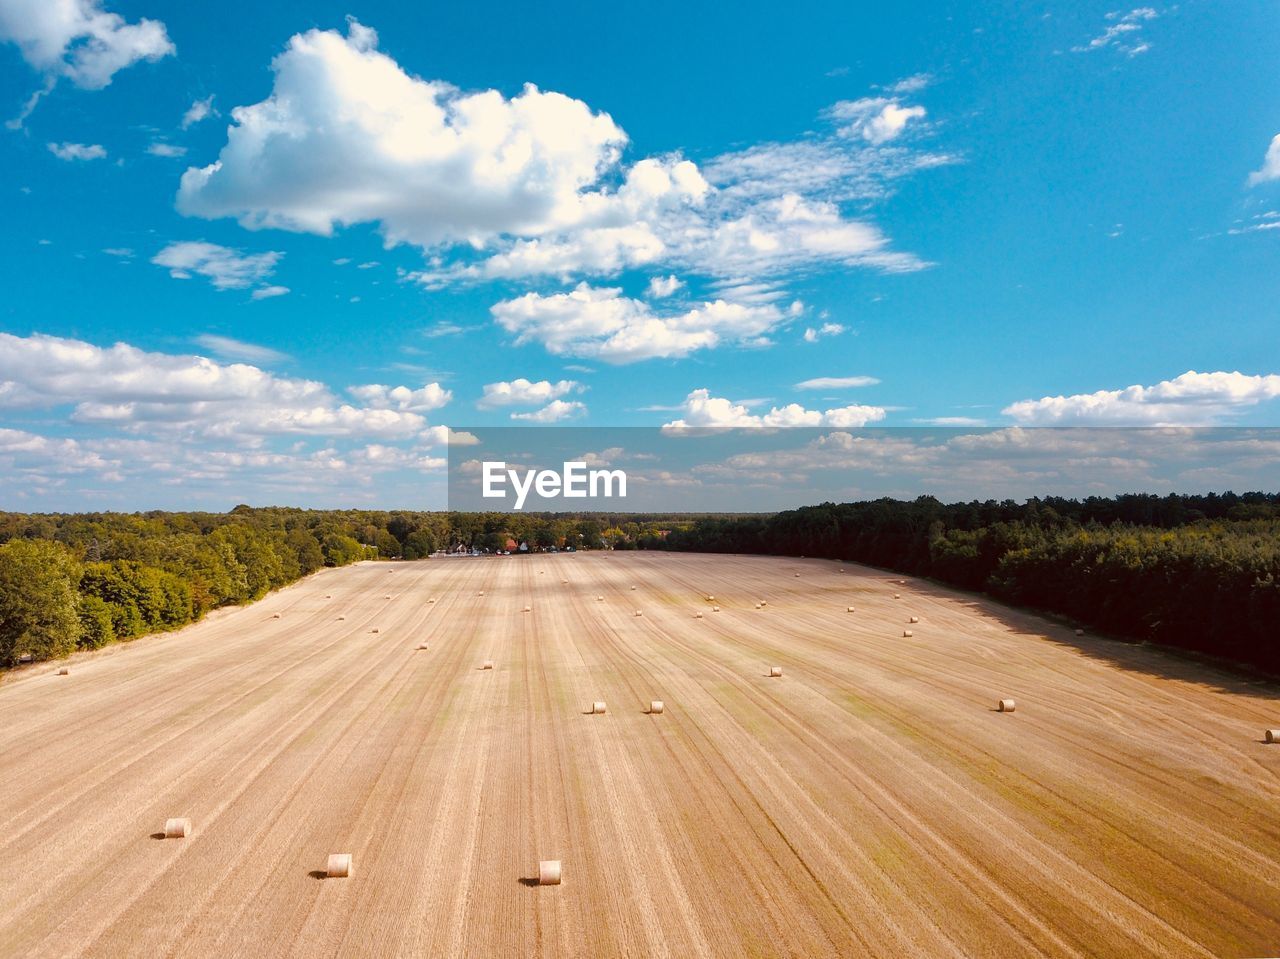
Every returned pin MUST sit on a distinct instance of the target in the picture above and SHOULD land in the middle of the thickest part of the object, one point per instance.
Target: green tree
(37, 600)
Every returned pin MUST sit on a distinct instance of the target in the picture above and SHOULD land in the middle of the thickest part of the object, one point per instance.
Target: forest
(1200, 573)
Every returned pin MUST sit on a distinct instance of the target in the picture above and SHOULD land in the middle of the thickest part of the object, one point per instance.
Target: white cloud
(1192, 399)
(603, 324)
(268, 292)
(663, 286)
(912, 84)
(1270, 164)
(348, 137)
(198, 111)
(523, 392)
(491, 187)
(127, 388)
(225, 268)
(378, 397)
(77, 151)
(812, 335)
(446, 329)
(702, 410)
(877, 120)
(233, 349)
(837, 382)
(161, 149)
(79, 40)
(553, 412)
(1124, 34)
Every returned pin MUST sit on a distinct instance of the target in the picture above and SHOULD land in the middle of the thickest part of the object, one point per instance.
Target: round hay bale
(327, 596)
(598, 708)
(275, 615)
(697, 615)
(715, 609)
(549, 872)
(431, 600)
(775, 671)
(64, 671)
(656, 706)
(896, 596)
(711, 599)
(599, 599)
(633, 587)
(528, 609)
(763, 604)
(487, 664)
(424, 645)
(848, 609)
(177, 828)
(1272, 736)
(906, 634)
(26, 658)
(388, 595)
(1079, 632)
(341, 618)
(914, 619)
(1006, 706)
(638, 613)
(564, 582)
(797, 575)
(339, 866)
(374, 630)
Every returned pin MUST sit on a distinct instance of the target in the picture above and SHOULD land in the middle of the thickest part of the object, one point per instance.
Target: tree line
(1196, 572)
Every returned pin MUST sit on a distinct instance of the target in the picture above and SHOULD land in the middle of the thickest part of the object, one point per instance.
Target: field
(870, 801)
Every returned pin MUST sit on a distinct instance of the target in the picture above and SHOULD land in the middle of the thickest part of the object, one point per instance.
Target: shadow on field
(529, 881)
(157, 835)
(318, 874)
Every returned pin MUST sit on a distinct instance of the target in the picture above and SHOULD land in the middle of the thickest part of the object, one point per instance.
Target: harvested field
(873, 801)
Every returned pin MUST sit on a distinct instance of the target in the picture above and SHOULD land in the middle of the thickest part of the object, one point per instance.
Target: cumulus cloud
(1270, 164)
(601, 323)
(130, 389)
(225, 268)
(378, 397)
(702, 410)
(494, 187)
(1192, 399)
(199, 110)
(813, 334)
(77, 151)
(1123, 33)
(663, 286)
(523, 392)
(268, 292)
(876, 120)
(161, 149)
(553, 412)
(78, 40)
(348, 137)
(836, 382)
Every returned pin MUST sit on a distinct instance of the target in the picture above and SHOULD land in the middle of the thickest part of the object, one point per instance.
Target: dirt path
(868, 802)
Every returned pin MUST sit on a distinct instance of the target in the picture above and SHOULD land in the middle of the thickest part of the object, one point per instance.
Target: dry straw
(848, 609)
(177, 828)
(64, 671)
(896, 596)
(638, 613)
(1272, 736)
(1006, 706)
(656, 706)
(775, 671)
(914, 619)
(598, 708)
(487, 664)
(549, 872)
(424, 645)
(599, 599)
(275, 615)
(339, 866)
(711, 599)
(715, 609)
(528, 609)
(906, 634)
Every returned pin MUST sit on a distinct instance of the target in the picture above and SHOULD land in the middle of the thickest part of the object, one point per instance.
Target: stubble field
(870, 801)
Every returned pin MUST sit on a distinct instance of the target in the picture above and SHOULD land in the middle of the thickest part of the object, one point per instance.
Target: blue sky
(1016, 216)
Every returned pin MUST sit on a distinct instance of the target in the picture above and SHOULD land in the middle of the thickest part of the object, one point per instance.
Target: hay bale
(339, 866)
(914, 619)
(848, 609)
(697, 615)
(26, 658)
(1272, 736)
(1079, 632)
(327, 596)
(564, 582)
(64, 671)
(906, 634)
(633, 587)
(431, 600)
(487, 664)
(598, 709)
(341, 618)
(715, 609)
(711, 599)
(177, 828)
(374, 630)
(896, 596)
(275, 615)
(528, 609)
(763, 603)
(797, 575)
(656, 706)
(549, 872)
(1006, 706)
(775, 671)
(599, 599)
(424, 645)
(638, 613)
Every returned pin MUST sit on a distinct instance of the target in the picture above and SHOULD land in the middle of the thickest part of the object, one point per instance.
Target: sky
(272, 253)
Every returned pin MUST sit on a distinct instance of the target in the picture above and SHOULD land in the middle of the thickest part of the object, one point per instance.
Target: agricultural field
(869, 800)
